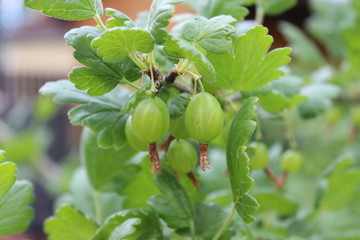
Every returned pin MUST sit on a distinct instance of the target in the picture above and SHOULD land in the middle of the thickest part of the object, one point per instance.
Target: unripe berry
(182, 156)
(291, 161)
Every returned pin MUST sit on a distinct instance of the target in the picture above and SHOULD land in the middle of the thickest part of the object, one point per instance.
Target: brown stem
(282, 180)
(204, 161)
(166, 144)
(271, 175)
(278, 182)
(154, 158)
(194, 180)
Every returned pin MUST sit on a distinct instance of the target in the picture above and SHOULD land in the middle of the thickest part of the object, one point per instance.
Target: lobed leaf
(136, 223)
(116, 43)
(102, 114)
(118, 19)
(8, 172)
(99, 77)
(248, 66)
(68, 10)
(179, 48)
(212, 8)
(159, 15)
(15, 212)
(174, 206)
(242, 128)
(69, 223)
(212, 34)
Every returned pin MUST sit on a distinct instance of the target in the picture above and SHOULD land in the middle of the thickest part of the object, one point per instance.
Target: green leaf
(212, 8)
(68, 10)
(279, 94)
(101, 114)
(212, 34)
(109, 170)
(159, 15)
(248, 67)
(83, 197)
(179, 48)
(144, 181)
(8, 172)
(174, 206)
(99, 77)
(320, 98)
(338, 195)
(242, 128)
(69, 223)
(209, 218)
(2, 156)
(275, 7)
(178, 104)
(116, 43)
(304, 49)
(276, 202)
(146, 226)
(134, 99)
(15, 213)
(118, 19)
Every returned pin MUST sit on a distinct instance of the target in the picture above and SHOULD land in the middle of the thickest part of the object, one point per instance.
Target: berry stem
(154, 158)
(166, 144)
(194, 180)
(204, 161)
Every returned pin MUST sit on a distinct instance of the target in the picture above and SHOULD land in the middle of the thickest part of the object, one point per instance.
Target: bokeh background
(33, 130)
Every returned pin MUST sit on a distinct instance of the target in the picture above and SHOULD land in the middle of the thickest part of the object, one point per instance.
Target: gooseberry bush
(178, 122)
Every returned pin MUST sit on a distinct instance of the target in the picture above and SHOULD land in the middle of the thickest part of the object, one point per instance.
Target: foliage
(302, 107)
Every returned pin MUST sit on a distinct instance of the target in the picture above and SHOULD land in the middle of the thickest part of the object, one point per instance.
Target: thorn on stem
(154, 158)
(204, 161)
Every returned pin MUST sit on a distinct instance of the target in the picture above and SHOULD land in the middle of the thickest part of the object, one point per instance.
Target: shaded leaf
(116, 43)
(242, 128)
(109, 170)
(69, 223)
(275, 7)
(174, 206)
(159, 15)
(146, 225)
(69, 10)
(320, 98)
(178, 104)
(144, 181)
(275, 202)
(209, 217)
(249, 66)
(82, 196)
(15, 212)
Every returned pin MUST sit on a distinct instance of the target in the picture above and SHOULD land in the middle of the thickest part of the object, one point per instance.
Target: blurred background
(35, 132)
